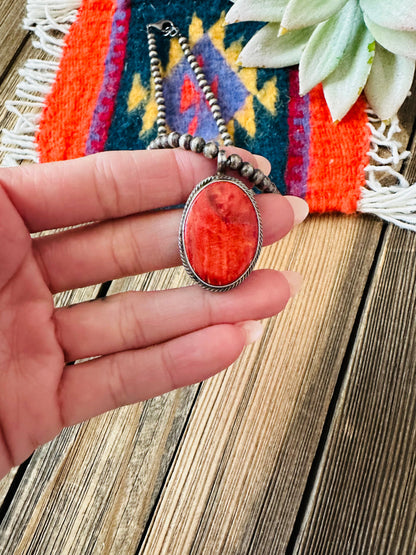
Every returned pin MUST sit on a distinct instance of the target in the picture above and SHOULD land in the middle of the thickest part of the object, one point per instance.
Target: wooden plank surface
(249, 430)
(364, 497)
(254, 430)
(12, 34)
(222, 467)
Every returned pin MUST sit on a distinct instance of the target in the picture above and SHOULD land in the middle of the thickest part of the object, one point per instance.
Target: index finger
(106, 185)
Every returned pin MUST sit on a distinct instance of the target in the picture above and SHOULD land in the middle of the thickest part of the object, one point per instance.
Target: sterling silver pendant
(220, 236)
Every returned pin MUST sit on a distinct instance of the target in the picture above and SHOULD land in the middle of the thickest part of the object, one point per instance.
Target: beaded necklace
(220, 235)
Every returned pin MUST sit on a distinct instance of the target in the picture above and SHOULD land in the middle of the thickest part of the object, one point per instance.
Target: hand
(148, 342)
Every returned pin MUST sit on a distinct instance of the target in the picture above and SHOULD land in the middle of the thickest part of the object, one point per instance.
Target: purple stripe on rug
(296, 175)
(114, 64)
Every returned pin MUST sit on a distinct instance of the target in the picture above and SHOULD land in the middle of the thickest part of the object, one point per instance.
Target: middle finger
(134, 245)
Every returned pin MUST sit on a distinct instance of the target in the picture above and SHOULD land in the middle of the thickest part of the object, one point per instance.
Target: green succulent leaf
(389, 82)
(256, 10)
(345, 84)
(402, 43)
(399, 15)
(266, 49)
(297, 15)
(346, 45)
(326, 47)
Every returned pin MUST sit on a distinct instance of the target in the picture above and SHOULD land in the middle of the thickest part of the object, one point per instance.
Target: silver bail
(222, 162)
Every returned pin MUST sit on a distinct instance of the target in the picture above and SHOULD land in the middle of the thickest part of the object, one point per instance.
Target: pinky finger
(109, 382)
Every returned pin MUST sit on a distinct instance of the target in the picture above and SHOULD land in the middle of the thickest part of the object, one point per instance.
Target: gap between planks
(260, 421)
(12, 35)
(364, 496)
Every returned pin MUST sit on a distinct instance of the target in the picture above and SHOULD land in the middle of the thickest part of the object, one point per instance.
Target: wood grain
(222, 467)
(5, 484)
(364, 497)
(259, 420)
(12, 33)
(254, 430)
(87, 486)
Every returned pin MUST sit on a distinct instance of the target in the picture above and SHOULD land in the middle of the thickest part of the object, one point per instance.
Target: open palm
(143, 343)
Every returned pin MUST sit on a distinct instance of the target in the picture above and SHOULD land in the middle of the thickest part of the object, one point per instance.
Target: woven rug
(95, 93)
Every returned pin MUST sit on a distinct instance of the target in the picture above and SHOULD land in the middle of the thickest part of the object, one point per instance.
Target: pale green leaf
(326, 46)
(345, 84)
(402, 43)
(399, 14)
(298, 14)
(256, 10)
(389, 82)
(266, 49)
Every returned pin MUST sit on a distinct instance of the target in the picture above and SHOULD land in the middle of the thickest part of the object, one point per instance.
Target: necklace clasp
(166, 27)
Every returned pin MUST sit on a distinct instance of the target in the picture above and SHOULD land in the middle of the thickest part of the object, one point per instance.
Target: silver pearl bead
(267, 185)
(173, 139)
(210, 150)
(247, 170)
(222, 161)
(257, 177)
(157, 142)
(235, 162)
(197, 144)
(185, 141)
(164, 142)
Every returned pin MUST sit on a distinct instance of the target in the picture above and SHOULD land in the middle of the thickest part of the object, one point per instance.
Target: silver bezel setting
(185, 261)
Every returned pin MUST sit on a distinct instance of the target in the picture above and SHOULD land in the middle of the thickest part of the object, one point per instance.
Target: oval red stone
(221, 233)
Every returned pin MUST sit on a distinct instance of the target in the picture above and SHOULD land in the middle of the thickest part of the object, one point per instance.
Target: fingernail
(252, 329)
(300, 208)
(263, 164)
(295, 281)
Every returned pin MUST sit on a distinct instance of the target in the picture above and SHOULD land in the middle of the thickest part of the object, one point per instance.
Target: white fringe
(50, 21)
(394, 203)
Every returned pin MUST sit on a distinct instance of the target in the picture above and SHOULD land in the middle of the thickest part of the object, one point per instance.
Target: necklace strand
(209, 149)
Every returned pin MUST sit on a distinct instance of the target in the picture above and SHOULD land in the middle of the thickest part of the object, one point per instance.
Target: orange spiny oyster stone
(221, 233)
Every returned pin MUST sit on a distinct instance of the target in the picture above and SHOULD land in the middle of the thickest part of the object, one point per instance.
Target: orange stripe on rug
(66, 118)
(338, 155)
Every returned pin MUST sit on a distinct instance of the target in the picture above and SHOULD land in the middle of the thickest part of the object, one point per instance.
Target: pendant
(220, 235)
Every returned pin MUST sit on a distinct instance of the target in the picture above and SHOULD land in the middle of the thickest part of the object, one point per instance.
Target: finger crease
(134, 323)
(59, 390)
(111, 205)
(184, 189)
(167, 364)
(38, 253)
(116, 386)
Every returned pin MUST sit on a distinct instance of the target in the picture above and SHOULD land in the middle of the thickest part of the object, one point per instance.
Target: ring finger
(140, 319)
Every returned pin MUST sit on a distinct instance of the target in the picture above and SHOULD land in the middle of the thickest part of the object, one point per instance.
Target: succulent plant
(347, 45)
